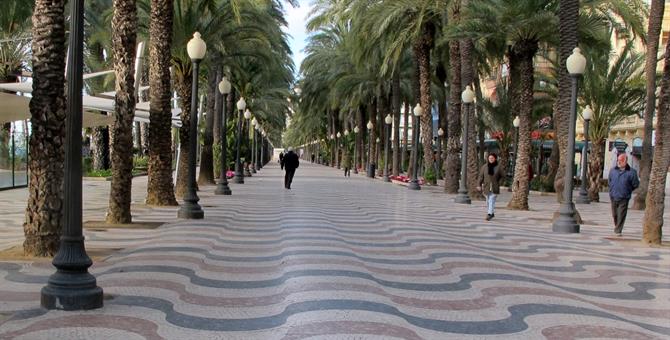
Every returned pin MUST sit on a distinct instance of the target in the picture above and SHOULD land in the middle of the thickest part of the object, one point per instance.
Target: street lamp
(239, 175)
(440, 134)
(191, 209)
(337, 149)
(566, 222)
(356, 131)
(72, 287)
(468, 96)
(222, 187)
(247, 116)
(516, 122)
(583, 197)
(254, 122)
(259, 147)
(371, 164)
(414, 182)
(388, 120)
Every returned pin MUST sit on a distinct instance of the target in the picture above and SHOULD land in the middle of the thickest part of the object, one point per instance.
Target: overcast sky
(296, 18)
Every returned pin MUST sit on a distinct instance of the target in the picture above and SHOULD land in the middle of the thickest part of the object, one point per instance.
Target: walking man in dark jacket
(622, 181)
(291, 162)
(281, 160)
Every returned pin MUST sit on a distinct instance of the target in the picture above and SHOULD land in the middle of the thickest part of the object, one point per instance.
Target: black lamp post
(468, 96)
(222, 188)
(239, 175)
(388, 120)
(440, 136)
(356, 131)
(414, 182)
(371, 145)
(337, 150)
(516, 122)
(254, 122)
(566, 221)
(190, 209)
(259, 147)
(72, 287)
(247, 160)
(583, 197)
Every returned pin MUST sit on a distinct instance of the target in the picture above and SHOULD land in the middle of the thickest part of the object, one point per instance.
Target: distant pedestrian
(291, 162)
(346, 163)
(313, 157)
(281, 160)
(622, 181)
(489, 183)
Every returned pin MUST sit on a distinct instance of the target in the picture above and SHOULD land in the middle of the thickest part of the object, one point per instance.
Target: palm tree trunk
(124, 38)
(452, 163)
(395, 99)
(525, 52)
(595, 170)
(160, 190)
(43, 224)
(206, 174)
(467, 78)
(422, 55)
(100, 147)
(405, 138)
(372, 133)
(183, 85)
(653, 33)
(568, 14)
(359, 137)
(652, 230)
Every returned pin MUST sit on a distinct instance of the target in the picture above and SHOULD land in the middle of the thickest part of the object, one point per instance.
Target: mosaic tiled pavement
(338, 258)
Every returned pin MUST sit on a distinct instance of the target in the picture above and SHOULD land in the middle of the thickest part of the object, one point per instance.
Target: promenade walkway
(346, 258)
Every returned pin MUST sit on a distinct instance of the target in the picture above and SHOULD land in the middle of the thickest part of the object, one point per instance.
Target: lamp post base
(71, 287)
(223, 189)
(355, 170)
(386, 178)
(462, 197)
(583, 198)
(191, 210)
(239, 178)
(414, 185)
(247, 173)
(253, 169)
(371, 170)
(566, 222)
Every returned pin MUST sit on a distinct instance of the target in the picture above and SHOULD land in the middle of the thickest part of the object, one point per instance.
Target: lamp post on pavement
(388, 120)
(259, 147)
(72, 287)
(247, 116)
(337, 149)
(191, 209)
(583, 197)
(222, 187)
(371, 145)
(515, 123)
(468, 96)
(566, 221)
(239, 175)
(356, 130)
(414, 182)
(254, 122)
(440, 134)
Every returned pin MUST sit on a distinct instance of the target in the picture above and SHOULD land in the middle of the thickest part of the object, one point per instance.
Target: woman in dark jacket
(489, 183)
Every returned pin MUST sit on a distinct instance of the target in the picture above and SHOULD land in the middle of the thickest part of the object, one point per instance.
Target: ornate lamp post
(468, 96)
(515, 123)
(247, 116)
(222, 187)
(254, 124)
(388, 120)
(72, 287)
(356, 131)
(191, 209)
(337, 149)
(239, 175)
(440, 136)
(414, 182)
(371, 144)
(566, 222)
(583, 197)
(259, 147)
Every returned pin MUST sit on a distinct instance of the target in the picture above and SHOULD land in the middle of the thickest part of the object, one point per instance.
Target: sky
(297, 18)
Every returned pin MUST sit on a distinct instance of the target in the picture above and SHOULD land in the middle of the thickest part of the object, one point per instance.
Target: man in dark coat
(622, 181)
(291, 162)
(281, 160)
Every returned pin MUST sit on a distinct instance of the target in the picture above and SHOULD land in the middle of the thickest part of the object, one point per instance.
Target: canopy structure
(14, 108)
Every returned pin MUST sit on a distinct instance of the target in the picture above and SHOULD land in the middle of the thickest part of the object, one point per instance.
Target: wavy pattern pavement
(354, 258)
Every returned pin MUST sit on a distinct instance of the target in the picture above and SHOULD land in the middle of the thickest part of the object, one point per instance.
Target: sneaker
(489, 217)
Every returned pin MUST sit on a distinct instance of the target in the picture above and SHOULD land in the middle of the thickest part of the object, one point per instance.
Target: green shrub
(99, 173)
(542, 183)
(140, 162)
(429, 175)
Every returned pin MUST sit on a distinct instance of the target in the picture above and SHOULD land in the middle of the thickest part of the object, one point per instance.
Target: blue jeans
(491, 202)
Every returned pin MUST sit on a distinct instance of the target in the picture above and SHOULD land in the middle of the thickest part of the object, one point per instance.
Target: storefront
(14, 155)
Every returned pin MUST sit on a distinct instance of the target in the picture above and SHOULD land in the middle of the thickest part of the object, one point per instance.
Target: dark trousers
(619, 211)
(288, 178)
(347, 172)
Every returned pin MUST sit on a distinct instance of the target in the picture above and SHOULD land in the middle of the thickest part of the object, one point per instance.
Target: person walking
(489, 183)
(346, 163)
(291, 162)
(281, 160)
(622, 181)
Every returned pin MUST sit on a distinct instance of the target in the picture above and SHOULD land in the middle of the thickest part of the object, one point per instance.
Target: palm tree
(653, 34)
(43, 224)
(160, 189)
(615, 90)
(452, 163)
(124, 38)
(653, 212)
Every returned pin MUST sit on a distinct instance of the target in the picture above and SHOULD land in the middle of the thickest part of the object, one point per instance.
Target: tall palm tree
(124, 39)
(653, 34)
(614, 88)
(43, 224)
(452, 163)
(160, 189)
(655, 204)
